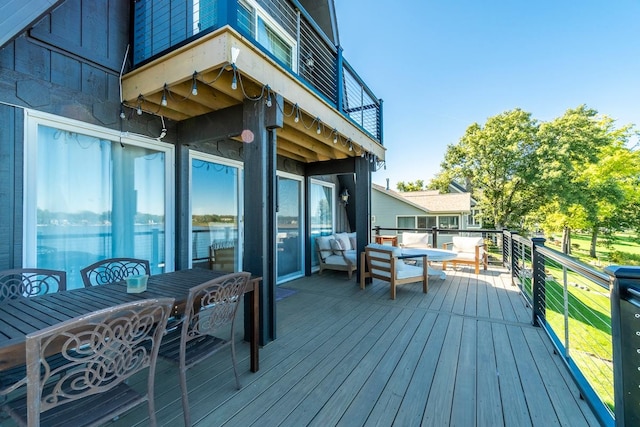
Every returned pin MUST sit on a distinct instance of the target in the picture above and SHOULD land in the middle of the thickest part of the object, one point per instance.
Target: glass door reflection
(290, 253)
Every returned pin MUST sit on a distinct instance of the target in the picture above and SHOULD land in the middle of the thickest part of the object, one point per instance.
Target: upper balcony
(234, 50)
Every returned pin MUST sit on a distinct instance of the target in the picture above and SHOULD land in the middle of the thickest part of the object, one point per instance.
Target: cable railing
(592, 317)
(160, 27)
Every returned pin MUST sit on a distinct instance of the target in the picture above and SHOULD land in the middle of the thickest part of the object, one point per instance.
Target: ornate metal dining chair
(21, 283)
(113, 270)
(210, 307)
(100, 350)
(28, 282)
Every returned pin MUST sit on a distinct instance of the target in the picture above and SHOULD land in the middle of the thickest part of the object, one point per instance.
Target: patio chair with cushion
(337, 252)
(113, 270)
(384, 262)
(100, 351)
(415, 240)
(210, 307)
(470, 250)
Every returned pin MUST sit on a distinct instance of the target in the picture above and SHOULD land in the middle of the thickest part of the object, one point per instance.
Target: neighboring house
(160, 129)
(422, 209)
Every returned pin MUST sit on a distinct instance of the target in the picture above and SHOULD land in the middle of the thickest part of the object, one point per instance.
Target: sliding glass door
(290, 220)
(216, 220)
(322, 209)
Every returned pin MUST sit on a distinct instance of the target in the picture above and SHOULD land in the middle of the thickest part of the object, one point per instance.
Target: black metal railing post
(624, 291)
(513, 260)
(539, 277)
(434, 231)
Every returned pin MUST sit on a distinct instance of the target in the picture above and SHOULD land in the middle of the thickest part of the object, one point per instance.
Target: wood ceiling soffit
(296, 131)
(223, 85)
(297, 149)
(292, 156)
(310, 144)
(207, 96)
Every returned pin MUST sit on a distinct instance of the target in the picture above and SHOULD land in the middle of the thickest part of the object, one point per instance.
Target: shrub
(624, 258)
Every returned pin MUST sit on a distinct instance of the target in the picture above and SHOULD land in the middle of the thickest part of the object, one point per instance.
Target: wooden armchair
(382, 262)
(470, 250)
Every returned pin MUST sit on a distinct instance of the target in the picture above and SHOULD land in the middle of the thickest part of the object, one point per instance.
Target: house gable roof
(431, 201)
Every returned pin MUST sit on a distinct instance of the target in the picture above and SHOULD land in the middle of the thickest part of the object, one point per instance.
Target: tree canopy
(576, 171)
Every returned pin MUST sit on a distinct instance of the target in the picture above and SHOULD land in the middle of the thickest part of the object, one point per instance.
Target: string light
(234, 80)
(194, 86)
(139, 109)
(163, 102)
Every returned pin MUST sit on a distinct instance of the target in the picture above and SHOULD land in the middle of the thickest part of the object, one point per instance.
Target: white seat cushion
(467, 245)
(416, 240)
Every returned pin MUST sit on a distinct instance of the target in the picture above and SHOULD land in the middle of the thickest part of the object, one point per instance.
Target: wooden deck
(465, 354)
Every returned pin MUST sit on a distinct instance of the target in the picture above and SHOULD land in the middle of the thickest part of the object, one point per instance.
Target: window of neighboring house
(427, 221)
(255, 21)
(91, 194)
(449, 222)
(406, 222)
(474, 218)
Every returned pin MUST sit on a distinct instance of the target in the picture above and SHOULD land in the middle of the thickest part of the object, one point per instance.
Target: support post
(539, 281)
(260, 207)
(625, 335)
(362, 206)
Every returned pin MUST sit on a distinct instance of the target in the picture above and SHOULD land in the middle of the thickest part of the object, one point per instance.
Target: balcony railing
(592, 317)
(161, 26)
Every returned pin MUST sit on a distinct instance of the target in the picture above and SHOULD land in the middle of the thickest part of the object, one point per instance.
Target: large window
(90, 196)
(216, 204)
(255, 21)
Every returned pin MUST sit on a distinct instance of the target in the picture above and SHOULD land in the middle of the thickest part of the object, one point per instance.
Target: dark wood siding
(11, 183)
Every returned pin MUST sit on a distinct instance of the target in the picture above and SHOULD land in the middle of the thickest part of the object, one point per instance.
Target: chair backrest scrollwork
(113, 270)
(29, 282)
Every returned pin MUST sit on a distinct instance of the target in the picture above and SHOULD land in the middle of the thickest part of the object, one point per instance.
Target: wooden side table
(384, 239)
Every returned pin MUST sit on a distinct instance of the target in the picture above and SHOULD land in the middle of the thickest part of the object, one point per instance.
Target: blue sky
(440, 66)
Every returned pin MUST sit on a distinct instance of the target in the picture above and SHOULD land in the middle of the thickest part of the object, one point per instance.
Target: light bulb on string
(297, 118)
(318, 130)
(335, 136)
(269, 103)
(194, 86)
(234, 80)
(122, 115)
(163, 102)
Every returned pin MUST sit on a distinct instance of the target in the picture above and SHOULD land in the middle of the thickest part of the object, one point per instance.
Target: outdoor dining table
(435, 255)
(21, 316)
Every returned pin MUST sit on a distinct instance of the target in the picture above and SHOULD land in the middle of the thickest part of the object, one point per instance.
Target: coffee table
(437, 255)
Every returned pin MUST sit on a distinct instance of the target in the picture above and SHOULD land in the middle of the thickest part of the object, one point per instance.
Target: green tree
(589, 173)
(417, 185)
(499, 162)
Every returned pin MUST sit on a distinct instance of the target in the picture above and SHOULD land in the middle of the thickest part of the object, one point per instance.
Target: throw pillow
(344, 241)
(336, 246)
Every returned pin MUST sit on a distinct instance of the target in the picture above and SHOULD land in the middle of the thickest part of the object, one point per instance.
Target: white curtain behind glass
(96, 200)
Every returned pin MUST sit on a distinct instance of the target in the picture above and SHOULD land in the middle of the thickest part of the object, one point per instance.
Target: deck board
(464, 354)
